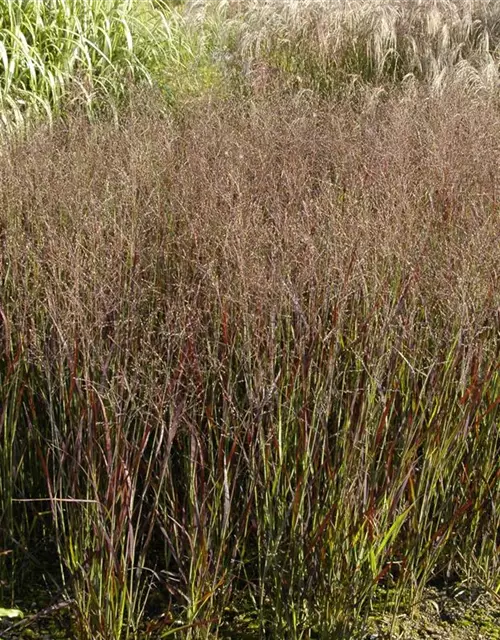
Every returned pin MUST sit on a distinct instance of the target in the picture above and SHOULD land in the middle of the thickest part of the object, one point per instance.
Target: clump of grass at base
(57, 53)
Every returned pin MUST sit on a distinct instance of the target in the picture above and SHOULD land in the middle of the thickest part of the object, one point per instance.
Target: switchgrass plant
(250, 361)
(58, 54)
(331, 45)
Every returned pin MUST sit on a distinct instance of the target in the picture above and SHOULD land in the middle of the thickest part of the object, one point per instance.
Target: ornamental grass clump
(327, 45)
(249, 365)
(61, 54)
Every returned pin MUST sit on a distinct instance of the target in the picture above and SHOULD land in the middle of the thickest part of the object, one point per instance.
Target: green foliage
(87, 54)
(10, 613)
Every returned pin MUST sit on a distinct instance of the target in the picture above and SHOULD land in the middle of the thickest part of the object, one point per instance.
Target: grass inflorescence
(336, 45)
(249, 342)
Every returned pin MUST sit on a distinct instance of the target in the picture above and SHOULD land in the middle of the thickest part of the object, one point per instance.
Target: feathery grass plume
(328, 44)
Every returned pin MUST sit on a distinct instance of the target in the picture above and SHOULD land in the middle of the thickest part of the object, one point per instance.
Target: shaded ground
(457, 615)
(55, 623)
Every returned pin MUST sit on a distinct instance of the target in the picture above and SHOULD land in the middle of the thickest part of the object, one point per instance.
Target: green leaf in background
(11, 613)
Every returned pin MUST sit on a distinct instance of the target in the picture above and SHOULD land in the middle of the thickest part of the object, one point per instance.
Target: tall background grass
(330, 46)
(87, 55)
(250, 342)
